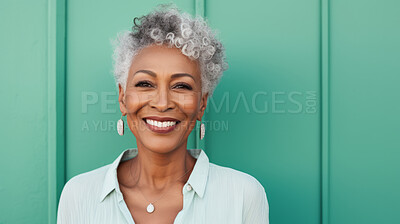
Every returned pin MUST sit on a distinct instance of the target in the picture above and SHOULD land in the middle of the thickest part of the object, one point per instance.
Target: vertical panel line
(51, 110)
(199, 7)
(199, 11)
(55, 104)
(324, 60)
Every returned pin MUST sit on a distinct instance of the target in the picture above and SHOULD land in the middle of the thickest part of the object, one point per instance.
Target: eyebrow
(176, 75)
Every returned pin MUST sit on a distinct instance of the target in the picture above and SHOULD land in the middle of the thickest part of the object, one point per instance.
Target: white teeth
(161, 124)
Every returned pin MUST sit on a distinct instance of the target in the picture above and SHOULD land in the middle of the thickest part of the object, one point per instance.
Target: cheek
(135, 101)
(188, 104)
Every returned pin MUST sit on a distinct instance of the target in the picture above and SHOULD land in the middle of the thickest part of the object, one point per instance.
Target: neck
(156, 170)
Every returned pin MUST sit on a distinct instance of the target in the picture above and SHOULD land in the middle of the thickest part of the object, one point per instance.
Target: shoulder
(251, 193)
(83, 186)
(79, 195)
(87, 180)
(242, 183)
(232, 176)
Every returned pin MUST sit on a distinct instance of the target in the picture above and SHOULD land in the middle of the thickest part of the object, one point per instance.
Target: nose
(162, 100)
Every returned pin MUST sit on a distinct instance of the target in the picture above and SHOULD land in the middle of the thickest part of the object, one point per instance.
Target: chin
(161, 144)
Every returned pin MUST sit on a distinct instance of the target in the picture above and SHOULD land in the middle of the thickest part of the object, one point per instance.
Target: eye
(182, 85)
(143, 84)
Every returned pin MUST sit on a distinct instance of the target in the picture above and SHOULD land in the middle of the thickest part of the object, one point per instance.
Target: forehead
(164, 60)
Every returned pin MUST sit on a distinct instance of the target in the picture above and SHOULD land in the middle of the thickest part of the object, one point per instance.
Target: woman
(165, 69)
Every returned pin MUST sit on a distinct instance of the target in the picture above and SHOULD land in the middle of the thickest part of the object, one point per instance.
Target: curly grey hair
(166, 25)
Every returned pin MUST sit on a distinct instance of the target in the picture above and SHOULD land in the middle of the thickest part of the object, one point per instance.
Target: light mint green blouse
(212, 194)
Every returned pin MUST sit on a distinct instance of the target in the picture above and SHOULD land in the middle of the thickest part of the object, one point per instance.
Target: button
(188, 187)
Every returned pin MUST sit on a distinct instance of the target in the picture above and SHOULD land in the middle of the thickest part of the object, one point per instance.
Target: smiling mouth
(161, 126)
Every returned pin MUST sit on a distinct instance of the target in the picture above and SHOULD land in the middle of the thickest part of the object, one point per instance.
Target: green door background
(309, 106)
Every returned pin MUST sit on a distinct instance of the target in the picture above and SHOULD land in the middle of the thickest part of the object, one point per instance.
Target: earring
(202, 131)
(120, 126)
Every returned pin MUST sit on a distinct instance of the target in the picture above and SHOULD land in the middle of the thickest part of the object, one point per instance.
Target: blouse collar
(198, 177)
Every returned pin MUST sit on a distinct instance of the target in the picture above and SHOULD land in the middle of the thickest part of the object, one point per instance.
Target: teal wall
(364, 126)
(273, 48)
(32, 109)
(309, 105)
(23, 160)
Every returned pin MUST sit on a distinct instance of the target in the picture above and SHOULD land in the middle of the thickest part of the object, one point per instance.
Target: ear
(121, 99)
(203, 106)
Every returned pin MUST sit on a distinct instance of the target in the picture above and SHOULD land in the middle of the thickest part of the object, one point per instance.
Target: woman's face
(163, 98)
